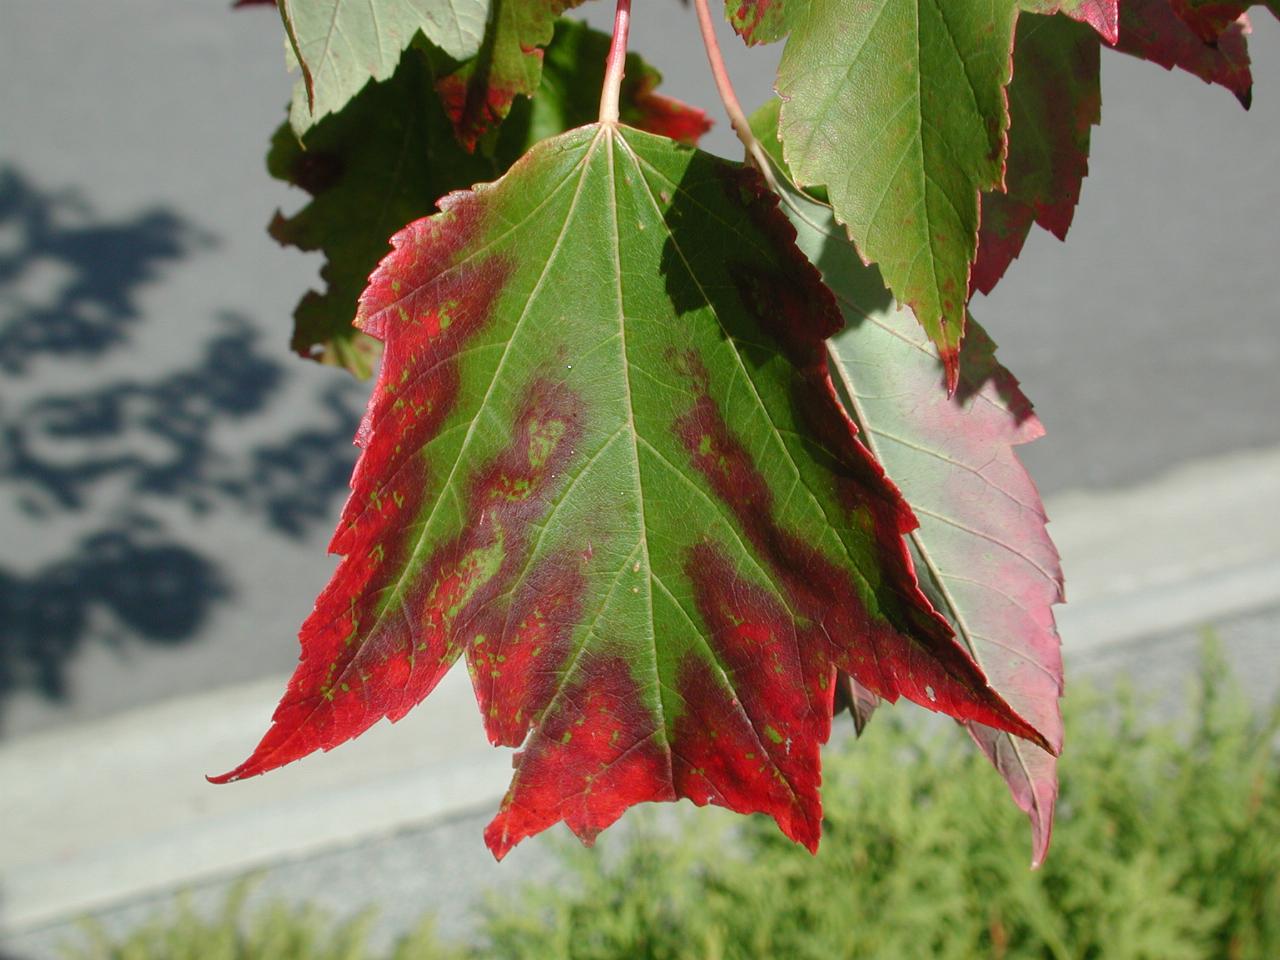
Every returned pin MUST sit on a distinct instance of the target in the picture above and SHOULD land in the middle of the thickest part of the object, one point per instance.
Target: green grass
(1167, 847)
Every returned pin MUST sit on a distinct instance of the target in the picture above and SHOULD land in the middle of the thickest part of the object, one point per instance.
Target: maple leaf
(604, 458)
(479, 93)
(1152, 30)
(986, 558)
(898, 108)
(388, 154)
(1055, 98)
(341, 46)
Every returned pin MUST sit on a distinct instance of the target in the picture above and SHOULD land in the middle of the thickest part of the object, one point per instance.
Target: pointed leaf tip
(951, 369)
(929, 145)
(1152, 30)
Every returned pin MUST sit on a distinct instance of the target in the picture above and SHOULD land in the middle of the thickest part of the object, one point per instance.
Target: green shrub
(1167, 847)
(276, 932)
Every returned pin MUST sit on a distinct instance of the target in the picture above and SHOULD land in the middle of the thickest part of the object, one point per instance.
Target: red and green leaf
(478, 94)
(1055, 99)
(1152, 30)
(897, 108)
(985, 557)
(604, 460)
(389, 154)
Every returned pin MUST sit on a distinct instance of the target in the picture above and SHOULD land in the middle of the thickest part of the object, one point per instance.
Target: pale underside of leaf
(341, 45)
(987, 561)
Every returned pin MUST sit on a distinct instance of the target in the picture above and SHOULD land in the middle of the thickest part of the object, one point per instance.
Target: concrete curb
(105, 812)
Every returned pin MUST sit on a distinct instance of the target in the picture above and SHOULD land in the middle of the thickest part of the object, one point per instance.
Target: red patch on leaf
(474, 103)
(515, 652)
(664, 116)
(516, 656)
(595, 753)
(927, 665)
(749, 740)
(425, 312)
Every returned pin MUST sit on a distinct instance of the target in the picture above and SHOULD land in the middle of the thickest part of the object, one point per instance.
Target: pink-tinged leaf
(983, 552)
(1209, 19)
(1151, 30)
(1102, 15)
(604, 459)
(1055, 99)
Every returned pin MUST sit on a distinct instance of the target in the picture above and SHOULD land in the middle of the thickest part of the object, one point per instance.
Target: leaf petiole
(615, 64)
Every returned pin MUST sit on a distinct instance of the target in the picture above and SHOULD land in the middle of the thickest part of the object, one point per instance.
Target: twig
(723, 84)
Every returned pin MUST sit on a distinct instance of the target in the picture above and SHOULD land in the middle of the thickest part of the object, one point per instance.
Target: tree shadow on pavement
(153, 589)
(52, 238)
(105, 467)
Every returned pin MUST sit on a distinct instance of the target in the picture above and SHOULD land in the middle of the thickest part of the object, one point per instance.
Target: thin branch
(723, 84)
(615, 64)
